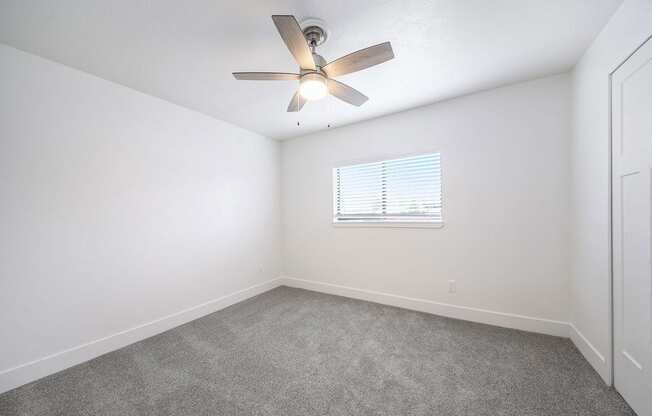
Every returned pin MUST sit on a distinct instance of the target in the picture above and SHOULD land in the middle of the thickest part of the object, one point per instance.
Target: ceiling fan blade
(346, 93)
(359, 60)
(265, 76)
(296, 103)
(292, 35)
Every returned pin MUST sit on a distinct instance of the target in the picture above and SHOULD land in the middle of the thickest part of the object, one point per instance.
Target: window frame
(384, 223)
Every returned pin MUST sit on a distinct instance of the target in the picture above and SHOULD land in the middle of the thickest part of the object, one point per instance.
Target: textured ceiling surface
(185, 51)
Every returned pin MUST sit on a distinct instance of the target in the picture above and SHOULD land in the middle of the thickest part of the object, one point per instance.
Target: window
(398, 191)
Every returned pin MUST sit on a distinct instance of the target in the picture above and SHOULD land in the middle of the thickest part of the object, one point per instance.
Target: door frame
(612, 373)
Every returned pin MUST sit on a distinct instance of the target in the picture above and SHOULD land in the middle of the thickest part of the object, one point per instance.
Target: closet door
(632, 214)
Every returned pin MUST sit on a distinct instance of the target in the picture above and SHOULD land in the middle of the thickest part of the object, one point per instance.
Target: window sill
(388, 224)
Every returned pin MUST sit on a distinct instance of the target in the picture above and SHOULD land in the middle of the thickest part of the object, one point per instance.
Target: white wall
(505, 242)
(590, 179)
(118, 209)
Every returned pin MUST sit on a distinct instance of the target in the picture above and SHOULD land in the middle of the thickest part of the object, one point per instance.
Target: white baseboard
(502, 319)
(33, 370)
(591, 353)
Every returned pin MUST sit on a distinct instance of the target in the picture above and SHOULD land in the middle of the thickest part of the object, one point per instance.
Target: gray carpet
(295, 352)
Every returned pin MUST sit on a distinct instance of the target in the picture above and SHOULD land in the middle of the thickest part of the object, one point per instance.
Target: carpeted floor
(295, 352)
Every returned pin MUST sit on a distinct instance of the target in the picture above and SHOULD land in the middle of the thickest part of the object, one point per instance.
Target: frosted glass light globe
(313, 86)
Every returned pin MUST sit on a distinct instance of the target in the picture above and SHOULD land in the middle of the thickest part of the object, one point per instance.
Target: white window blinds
(398, 190)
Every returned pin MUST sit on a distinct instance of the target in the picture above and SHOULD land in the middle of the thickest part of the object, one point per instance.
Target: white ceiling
(185, 51)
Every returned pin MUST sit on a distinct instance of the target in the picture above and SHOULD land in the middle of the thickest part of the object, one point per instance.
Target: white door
(632, 217)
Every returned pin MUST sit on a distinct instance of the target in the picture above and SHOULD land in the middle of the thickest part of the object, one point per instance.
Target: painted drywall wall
(118, 209)
(590, 179)
(505, 178)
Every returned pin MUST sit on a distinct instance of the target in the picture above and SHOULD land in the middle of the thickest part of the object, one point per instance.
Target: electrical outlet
(452, 286)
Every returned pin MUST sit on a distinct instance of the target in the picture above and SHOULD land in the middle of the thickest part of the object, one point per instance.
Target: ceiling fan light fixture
(313, 86)
(316, 75)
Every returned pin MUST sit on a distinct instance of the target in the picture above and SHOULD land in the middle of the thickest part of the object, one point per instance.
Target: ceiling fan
(315, 75)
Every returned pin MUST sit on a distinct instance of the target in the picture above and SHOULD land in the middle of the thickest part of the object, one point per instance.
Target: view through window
(397, 190)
